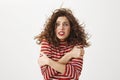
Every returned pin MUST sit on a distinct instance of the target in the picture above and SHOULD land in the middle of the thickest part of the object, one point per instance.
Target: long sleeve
(74, 68)
(46, 70)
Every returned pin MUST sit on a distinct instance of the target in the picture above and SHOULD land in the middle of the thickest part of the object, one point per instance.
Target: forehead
(62, 18)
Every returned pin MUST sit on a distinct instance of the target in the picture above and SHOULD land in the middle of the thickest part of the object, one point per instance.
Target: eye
(57, 24)
(66, 24)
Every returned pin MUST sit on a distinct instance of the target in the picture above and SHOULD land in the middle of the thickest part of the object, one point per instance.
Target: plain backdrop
(21, 20)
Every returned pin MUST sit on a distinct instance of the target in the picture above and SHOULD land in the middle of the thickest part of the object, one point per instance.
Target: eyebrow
(63, 22)
(66, 22)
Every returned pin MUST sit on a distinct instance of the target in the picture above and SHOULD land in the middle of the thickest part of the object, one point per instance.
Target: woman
(62, 42)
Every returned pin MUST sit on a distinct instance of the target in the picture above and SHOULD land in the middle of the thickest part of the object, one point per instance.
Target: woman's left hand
(77, 52)
(43, 59)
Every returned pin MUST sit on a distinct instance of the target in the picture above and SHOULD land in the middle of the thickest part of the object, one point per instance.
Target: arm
(66, 58)
(73, 68)
(45, 61)
(46, 70)
(73, 63)
(75, 53)
(59, 66)
(51, 67)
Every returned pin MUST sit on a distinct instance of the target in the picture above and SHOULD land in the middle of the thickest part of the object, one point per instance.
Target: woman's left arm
(74, 53)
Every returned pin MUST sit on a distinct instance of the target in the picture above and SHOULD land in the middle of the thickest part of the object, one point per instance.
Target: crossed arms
(60, 65)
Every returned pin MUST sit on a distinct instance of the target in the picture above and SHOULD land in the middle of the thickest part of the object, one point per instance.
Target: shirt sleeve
(46, 70)
(74, 68)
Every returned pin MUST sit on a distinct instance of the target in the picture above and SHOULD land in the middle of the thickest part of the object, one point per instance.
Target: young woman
(62, 45)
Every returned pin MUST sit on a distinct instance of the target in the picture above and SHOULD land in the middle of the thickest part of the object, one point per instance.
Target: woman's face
(62, 28)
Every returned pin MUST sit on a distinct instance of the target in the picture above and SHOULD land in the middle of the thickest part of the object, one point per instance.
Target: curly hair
(77, 33)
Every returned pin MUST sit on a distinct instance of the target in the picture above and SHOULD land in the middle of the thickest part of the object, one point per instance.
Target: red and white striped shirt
(73, 67)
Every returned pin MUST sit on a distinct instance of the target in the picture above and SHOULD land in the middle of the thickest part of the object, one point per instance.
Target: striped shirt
(72, 68)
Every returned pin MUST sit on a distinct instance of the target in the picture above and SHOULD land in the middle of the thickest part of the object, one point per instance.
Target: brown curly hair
(77, 33)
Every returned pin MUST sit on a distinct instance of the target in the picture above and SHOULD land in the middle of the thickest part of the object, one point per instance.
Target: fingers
(79, 46)
(41, 54)
(82, 52)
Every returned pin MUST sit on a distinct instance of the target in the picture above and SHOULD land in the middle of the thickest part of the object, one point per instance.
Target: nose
(61, 27)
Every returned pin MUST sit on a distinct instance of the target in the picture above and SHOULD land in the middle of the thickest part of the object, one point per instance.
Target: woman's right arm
(46, 70)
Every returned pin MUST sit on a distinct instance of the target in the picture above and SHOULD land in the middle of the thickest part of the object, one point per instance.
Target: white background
(21, 20)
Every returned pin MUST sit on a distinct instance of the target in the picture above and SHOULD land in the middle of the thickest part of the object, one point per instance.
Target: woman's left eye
(65, 24)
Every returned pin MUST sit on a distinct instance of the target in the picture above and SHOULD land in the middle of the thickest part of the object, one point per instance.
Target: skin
(62, 24)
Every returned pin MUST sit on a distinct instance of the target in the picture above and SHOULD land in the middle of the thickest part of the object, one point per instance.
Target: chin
(61, 39)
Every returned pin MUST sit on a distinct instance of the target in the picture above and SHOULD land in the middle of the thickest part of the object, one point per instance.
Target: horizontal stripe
(73, 67)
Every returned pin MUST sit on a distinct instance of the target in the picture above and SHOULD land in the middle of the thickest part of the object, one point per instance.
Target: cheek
(68, 31)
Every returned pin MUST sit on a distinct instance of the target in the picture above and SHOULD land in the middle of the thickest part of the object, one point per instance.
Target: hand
(43, 59)
(77, 52)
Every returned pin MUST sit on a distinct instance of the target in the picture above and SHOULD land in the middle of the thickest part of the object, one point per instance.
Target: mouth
(61, 33)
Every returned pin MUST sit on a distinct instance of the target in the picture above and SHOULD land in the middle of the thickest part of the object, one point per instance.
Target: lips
(61, 33)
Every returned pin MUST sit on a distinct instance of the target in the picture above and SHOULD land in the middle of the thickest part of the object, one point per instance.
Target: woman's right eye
(57, 24)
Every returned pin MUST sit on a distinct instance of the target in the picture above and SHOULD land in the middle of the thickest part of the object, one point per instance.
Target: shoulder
(45, 46)
(44, 42)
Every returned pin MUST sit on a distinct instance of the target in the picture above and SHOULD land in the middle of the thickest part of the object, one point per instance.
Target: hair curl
(77, 32)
